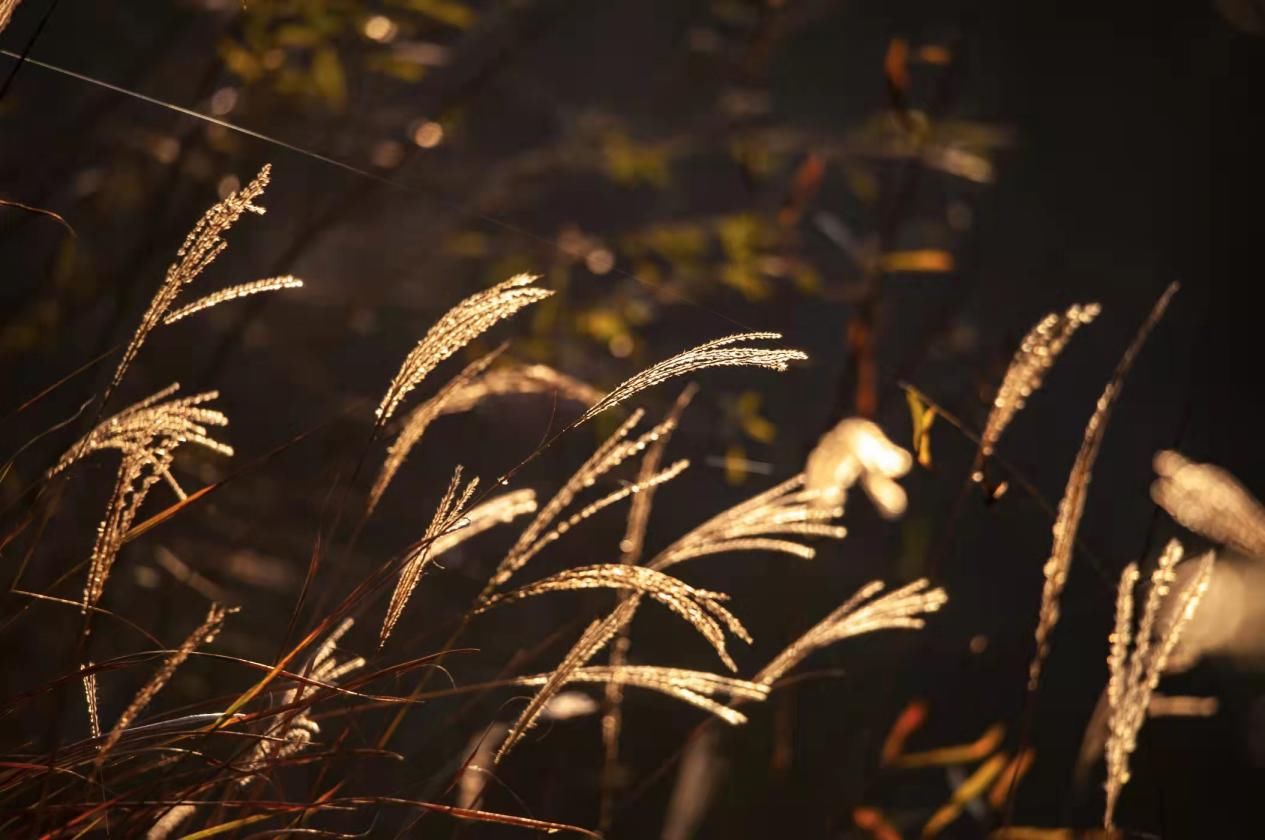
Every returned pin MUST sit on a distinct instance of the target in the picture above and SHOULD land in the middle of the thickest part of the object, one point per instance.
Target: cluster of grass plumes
(173, 770)
(228, 761)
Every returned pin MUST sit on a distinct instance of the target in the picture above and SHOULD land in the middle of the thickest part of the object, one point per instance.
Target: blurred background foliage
(728, 194)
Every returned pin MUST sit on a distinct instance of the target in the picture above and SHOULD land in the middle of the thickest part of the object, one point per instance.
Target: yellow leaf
(240, 61)
(968, 790)
(960, 754)
(922, 416)
(454, 14)
(735, 464)
(758, 428)
(927, 259)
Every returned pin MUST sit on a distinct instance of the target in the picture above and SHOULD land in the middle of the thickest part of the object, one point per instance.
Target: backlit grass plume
(203, 244)
(718, 353)
(902, 608)
(495, 511)
(203, 635)
(762, 523)
(611, 453)
(458, 327)
(134, 429)
(700, 607)
(463, 392)
(698, 688)
(90, 697)
(1209, 501)
(419, 419)
(147, 435)
(590, 643)
(1037, 353)
(268, 284)
(6, 12)
(1136, 673)
(447, 517)
(1072, 506)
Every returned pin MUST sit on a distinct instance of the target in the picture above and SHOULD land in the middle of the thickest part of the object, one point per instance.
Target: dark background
(1133, 162)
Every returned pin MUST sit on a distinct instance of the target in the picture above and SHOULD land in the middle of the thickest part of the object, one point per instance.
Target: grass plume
(458, 327)
(700, 607)
(902, 608)
(609, 454)
(1135, 673)
(721, 352)
(147, 435)
(1072, 505)
(268, 284)
(447, 517)
(761, 524)
(1037, 353)
(698, 688)
(200, 248)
